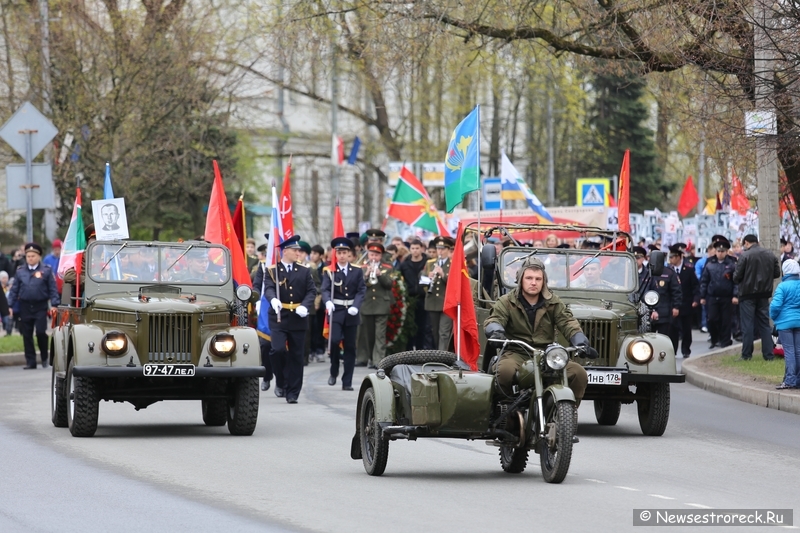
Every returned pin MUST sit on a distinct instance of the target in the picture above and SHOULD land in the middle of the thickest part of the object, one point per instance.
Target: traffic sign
(492, 189)
(28, 118)
(592, 192)
(17, 188)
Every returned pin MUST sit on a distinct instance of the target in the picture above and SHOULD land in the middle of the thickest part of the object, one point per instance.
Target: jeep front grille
(170, 338)
(599, 334)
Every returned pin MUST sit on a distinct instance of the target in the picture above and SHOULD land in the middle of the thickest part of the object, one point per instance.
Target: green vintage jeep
(608, 301)
(155, 321)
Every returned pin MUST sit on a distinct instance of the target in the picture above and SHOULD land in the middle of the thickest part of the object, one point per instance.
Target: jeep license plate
(168, 370)
(604, 377)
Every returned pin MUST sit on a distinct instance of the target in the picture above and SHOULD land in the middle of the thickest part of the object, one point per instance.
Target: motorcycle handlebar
(570, 349)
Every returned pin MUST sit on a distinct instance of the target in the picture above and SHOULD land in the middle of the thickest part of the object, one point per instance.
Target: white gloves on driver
(276, 305)
(301, 311)
(329, 306)
(352, 311)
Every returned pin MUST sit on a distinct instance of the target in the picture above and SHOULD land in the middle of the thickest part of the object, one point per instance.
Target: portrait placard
(110, 220)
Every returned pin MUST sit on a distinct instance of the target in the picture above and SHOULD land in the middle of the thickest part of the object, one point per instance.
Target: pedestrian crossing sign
(592, 192)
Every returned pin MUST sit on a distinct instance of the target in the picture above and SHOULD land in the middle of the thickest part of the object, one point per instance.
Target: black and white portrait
(110, 220)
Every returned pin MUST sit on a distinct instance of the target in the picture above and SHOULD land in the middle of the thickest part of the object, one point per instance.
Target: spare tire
(418, 357)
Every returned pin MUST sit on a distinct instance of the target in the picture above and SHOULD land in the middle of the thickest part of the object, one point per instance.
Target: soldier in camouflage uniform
(436, 272)
(531, 313)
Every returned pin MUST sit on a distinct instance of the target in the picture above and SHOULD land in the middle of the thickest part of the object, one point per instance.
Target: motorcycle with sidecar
(432, 394)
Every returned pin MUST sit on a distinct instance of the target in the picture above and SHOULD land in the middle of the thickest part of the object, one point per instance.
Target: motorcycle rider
(532, 313)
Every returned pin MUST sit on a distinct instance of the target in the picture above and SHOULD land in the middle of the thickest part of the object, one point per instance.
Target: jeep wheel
(82, 404)
(58, 401)
(653, 407)
(374, 446)
(607, 412)
(555, 450)
(215, 410)
(243, 412)
(418, 357)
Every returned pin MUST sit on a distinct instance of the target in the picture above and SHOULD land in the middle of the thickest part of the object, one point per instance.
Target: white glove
(329, 306)
(301, 311)
(276, 305)
(352, 311)
(424, 280)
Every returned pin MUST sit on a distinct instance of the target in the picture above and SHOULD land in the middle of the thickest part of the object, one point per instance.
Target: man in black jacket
(718, 290)
(668, 287)
(755, 273)
(690, 298)
(411, 269)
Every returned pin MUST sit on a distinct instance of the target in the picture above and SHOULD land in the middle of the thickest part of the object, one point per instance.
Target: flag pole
(458, 331)
(480, 233)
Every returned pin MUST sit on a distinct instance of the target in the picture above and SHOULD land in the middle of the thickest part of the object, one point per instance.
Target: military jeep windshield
(176, 264)
(606, 271)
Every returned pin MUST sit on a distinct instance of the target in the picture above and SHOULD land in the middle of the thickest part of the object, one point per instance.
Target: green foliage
(771, 371)
(11, 344)
(618, 118)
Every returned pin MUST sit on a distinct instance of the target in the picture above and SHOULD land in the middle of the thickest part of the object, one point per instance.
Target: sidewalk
(757, 393)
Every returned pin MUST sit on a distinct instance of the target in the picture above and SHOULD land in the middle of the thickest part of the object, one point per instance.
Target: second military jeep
(601, 288)
(155, 321)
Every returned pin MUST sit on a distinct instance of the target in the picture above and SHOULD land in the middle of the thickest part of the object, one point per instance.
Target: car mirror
(656, 263)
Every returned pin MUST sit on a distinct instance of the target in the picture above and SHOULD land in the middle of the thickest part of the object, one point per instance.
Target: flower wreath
(399, 324)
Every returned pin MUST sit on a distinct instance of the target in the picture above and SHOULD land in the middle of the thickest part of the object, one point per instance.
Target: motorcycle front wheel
(555, 450)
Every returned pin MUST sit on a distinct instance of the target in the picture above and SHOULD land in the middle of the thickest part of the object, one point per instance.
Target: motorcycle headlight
(243, 292)
(222, 345)
(651, 298)
(115, 343)
(556, 357)
(640, 352)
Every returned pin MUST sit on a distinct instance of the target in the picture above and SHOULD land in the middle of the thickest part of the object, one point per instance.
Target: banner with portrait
(110, 219)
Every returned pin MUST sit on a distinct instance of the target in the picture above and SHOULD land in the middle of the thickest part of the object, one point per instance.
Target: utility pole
(701, 174)
(44, 17)
(551, 164)
(281, 143)
(766, 145)
(334, 128)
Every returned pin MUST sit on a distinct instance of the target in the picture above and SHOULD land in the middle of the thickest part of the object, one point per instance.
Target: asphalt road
(161, 469)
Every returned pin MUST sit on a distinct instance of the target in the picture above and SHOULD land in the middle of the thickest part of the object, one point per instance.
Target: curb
(12, 359)
(774, 399)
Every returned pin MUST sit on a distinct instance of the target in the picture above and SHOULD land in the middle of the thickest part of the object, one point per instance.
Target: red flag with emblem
(624, 195)
(285, 209)
(459, 295)
(412, 205)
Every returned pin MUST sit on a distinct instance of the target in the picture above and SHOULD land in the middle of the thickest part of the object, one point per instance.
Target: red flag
(219, 229)
(338, 227)
(689, 198)
(719, 204)
(459, 293)
(285, 209)
(739, 201)
(239, 224)
(624, 195)
(412, 205)
(611, 201)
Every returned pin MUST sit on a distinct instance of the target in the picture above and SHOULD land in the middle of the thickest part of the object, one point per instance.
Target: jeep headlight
(556, 356)
(640, 352)
(115, 343)
(223, 345)
(243, 292)
(651, 298)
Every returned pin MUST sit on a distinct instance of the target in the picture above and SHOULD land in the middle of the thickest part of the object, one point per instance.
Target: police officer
(290, 291)
(377, 303)
(718, 290)
(343, 291)
(690, 299)
(33, 290)
(668, 287)
(435, 274)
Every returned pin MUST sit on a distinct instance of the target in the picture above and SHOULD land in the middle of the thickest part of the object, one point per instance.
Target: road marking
(698, 505)
(790, 527)
(660, 496)
(626, 488)
(594, 480)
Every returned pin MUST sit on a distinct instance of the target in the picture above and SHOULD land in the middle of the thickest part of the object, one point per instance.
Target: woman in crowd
(785, 312)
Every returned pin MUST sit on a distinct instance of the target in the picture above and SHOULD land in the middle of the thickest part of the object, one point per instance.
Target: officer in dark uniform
(690, 291)
(290, 291)
(34, 289)
(641, 263)
(668, 287)
(718, 290)
(343, 291)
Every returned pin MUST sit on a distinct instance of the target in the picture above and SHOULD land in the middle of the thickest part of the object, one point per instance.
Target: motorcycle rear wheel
(513, 460)
(555, 450)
